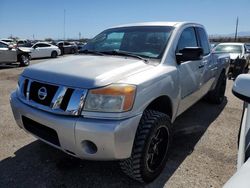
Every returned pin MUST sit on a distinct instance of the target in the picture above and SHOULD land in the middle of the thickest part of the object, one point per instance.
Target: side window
(38, 45)
(2, 45)
(187, 39)
(203, 41)
(41, 45)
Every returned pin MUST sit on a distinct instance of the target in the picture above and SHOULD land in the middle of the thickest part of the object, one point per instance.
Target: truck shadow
(9, 66)
(40, 165)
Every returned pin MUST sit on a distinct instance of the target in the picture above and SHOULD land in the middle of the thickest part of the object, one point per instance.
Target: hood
(235, 55)
(85, 71)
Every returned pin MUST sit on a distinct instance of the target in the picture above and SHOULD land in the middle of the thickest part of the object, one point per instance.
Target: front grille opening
(41, 131)
(51, 90)
(25, 87)
(66, 99)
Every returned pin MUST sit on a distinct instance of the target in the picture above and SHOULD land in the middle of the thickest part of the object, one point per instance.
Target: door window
(203, 41)
(187, 39)
(41, 45)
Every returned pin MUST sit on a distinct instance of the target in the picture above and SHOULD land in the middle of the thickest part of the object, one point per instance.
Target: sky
(45, 18)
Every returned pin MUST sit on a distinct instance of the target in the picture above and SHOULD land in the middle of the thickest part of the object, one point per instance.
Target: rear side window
(187, 39)
(203, 41)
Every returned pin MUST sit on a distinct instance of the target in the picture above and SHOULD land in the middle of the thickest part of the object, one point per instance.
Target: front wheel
(54, 54)
(24, 60)
(151, 147)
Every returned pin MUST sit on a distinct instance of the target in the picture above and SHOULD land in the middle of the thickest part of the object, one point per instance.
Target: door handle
(201, 66)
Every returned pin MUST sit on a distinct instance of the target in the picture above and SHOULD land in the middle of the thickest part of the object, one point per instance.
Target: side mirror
(241, 87)
(34, 47)
(189, 54)
(248, 51)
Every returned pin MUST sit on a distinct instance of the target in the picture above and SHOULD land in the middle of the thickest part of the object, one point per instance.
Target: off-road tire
(137, 166)
(217, 95)
(24, 60)
(54, 54)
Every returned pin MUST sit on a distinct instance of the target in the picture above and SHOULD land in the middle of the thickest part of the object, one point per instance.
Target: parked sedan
(8, 55)
(8, 41)
(239, 55)
(67, 47)
(240, 179)
(43, 49)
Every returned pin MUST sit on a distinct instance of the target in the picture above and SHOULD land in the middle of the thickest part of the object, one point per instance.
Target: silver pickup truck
(119, 99)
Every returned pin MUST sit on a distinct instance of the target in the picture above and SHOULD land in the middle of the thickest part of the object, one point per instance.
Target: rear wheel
(217, 95)
(24, 60)
(54, 54)
(151, 147)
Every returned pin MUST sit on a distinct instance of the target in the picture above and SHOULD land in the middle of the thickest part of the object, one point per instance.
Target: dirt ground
(203, 154)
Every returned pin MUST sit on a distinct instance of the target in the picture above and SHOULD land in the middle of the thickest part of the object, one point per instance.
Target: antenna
(236, 29)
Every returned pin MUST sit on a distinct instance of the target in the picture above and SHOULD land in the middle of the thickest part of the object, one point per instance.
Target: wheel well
(223, 70)
(162, 104)
(20, 54)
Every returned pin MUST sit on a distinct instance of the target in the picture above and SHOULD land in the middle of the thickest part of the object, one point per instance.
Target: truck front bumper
(86, 138)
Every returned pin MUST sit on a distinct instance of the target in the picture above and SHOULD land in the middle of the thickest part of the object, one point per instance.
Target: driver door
(7, 55)
(189, 71)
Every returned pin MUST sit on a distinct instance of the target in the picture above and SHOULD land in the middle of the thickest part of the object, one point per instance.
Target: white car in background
(241, 178)
(9, 41)
(239, 57)
(43, 49)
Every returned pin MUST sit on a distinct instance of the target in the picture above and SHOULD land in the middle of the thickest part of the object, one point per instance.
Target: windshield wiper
(91, 52)
(123, 53)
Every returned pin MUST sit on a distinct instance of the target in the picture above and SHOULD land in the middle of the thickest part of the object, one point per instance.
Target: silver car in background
(9, 54)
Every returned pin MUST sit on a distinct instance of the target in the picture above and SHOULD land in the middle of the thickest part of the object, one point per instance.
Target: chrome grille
(60, 99)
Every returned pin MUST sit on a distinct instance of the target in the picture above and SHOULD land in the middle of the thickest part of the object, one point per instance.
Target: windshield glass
(145, 41)
(229, 48)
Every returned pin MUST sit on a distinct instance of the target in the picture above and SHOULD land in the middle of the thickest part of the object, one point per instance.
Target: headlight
(113, 98)
(20, 85)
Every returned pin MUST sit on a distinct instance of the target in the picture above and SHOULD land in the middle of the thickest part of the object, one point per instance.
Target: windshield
(229, 48)
(145, 41)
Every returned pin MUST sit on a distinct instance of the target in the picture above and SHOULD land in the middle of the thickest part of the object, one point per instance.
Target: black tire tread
(132, 166)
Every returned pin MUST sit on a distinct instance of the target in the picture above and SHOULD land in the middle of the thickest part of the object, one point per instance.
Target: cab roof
(171, 24)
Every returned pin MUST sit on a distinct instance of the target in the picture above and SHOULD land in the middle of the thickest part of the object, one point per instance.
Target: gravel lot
(203, 154)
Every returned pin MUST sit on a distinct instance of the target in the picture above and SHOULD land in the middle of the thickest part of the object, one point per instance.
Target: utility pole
(79, 35)
(64, 12)
(236, 29)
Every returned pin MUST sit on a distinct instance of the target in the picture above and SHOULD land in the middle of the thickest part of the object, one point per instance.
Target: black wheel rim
(158, 148)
